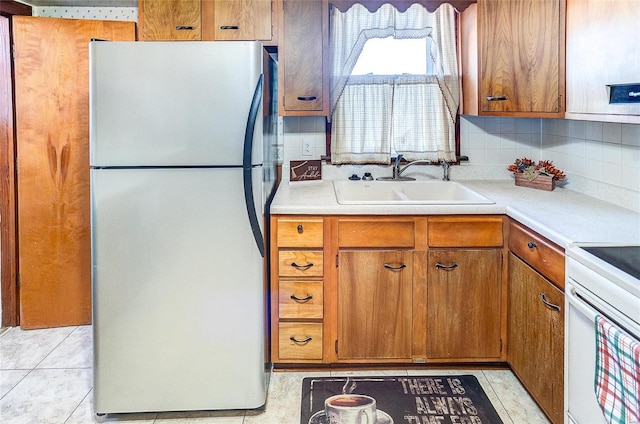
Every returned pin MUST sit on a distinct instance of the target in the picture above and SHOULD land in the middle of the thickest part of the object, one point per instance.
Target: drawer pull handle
(306, 340)
(301, 299)
(184, 28)
(302, 267)
(395, 268)
(543, 298)
(496, 98)
(300, 229)
(446, 267)
(223, 27)
(307, 98)
(532, 245)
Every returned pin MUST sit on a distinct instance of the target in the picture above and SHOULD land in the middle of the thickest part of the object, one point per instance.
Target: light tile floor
(46, 378)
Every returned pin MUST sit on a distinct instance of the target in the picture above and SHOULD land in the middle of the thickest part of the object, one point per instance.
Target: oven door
(580, 352)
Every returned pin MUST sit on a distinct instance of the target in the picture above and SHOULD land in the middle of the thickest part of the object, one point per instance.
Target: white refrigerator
(181, 177)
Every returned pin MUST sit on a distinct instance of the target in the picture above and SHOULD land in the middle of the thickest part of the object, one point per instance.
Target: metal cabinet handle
(496, 98)
(223, 27)
(307, 98)
(531, 245)
(302, 267)
(185, 27)
(306, 340)
(543, 298)
(395, 268)
(448, 267)
(301, 299)
(300, 229)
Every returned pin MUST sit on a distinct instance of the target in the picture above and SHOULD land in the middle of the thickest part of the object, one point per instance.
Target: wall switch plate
(306, 147)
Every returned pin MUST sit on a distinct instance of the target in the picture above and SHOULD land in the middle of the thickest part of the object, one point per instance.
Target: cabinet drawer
(544, 256)
(464, 231)
(300, 300)
(375, 233)
(299, 341)
(300, 233)
(300, 263)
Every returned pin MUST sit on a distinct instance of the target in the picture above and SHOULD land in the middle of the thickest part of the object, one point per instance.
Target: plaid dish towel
(617, 379)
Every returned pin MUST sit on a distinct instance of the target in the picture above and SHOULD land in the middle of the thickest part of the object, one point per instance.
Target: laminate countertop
(563, 216)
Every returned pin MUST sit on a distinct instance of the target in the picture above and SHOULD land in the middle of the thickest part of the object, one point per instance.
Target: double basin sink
(406, 193)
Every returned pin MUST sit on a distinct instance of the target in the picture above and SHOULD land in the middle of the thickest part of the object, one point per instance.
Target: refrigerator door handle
(246, 166)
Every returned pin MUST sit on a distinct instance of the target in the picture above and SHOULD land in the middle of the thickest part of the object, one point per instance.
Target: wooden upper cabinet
(242, 19)
(521, 57)
(169, 20)
(302, 45)
(602, 49)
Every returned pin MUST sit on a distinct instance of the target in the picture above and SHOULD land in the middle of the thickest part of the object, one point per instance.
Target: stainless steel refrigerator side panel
(168, 103)
(178, 291)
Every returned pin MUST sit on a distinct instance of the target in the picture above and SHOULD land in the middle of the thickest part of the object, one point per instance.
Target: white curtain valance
(410, 114)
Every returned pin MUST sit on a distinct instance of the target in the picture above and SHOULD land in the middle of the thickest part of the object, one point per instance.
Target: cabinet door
(463, 304)
(242, 19)
(301, 58)
(536, 336)
(168, 20)
(374, 305)
(592, 62)
(521, 61)
(52, 145)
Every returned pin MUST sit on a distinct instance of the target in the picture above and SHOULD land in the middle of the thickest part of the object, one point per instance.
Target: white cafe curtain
(373, 115)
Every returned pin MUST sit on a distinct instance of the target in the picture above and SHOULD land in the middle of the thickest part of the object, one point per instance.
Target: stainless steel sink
(406, 193)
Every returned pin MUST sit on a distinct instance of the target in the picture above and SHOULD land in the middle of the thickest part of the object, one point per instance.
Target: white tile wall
(600, 151)
(300, 130)
(590, 151)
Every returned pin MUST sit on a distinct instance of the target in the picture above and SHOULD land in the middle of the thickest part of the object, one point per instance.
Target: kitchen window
(410, 110)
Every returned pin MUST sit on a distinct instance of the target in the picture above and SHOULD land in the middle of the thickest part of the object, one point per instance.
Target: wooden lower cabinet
(387, 289)
(536, 336)
(374, 305)
(464, 298)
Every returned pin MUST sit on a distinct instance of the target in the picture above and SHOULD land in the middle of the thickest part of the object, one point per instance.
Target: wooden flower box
(542, 182)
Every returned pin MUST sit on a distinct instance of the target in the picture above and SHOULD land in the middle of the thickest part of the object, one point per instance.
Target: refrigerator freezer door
(178, 291)
(172, 104)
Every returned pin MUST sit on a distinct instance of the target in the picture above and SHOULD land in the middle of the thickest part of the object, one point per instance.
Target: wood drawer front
(375, 233)
(300, 263)
(465, 231)
(308, 344)
(544, 256)
(300, 300)
(300, 233)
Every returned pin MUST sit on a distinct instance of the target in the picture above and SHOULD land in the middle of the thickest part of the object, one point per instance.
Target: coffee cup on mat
(350, 409)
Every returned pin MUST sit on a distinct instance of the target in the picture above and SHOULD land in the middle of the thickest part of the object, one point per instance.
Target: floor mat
(396, 400)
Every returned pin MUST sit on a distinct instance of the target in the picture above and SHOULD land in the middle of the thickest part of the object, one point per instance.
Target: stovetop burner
(625, 258)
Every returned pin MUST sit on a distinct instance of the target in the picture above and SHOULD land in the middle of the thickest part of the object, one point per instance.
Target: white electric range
(601, 279)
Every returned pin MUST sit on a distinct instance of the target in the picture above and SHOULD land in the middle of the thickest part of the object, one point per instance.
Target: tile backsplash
(599, 151)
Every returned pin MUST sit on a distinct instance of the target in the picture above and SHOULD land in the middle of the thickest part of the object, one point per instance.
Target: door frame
(8, 206)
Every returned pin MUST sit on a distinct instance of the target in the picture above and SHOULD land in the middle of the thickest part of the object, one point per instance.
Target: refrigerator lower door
(178, 292)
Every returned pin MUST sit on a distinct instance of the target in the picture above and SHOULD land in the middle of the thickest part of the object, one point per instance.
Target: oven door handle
(577, 301)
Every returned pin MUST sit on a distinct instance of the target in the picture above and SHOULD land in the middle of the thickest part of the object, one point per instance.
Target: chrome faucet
(445, 167)
(398, 170)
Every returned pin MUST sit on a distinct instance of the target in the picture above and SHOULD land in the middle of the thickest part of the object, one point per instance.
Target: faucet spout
(445, 168)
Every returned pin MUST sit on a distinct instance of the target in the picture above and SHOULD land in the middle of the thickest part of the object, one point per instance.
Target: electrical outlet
(306, 148)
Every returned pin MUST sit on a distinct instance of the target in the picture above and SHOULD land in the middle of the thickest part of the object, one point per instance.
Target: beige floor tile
(75, 351)
(24, 349)
(514, 398)
(9, 379)
(45, 396)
